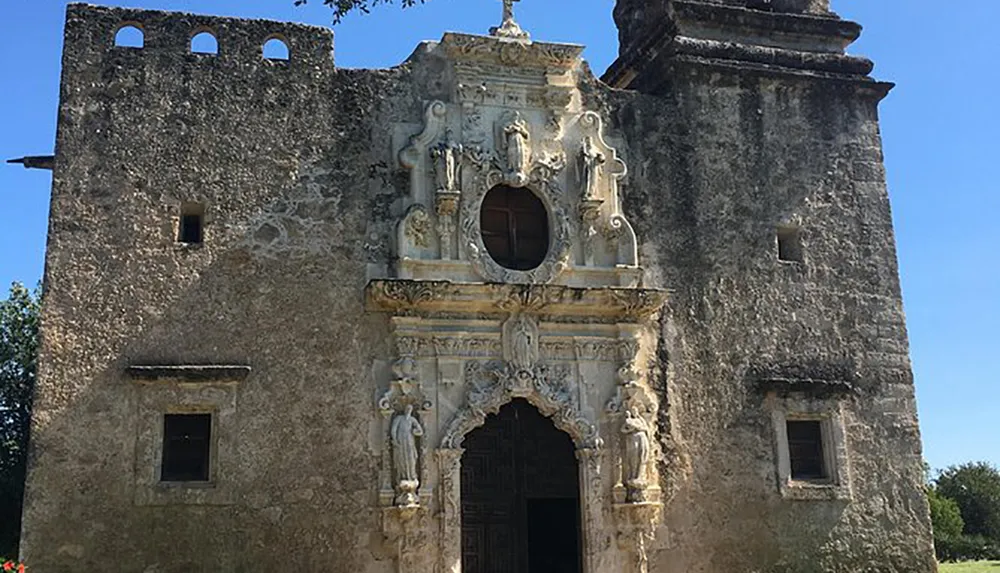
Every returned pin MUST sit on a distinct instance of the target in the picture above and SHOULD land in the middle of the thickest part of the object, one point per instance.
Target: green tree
(342, 7)
(975, 487)
(18, 359)
(945, 515)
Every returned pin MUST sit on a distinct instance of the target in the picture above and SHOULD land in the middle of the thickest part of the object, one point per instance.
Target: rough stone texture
(296, 164)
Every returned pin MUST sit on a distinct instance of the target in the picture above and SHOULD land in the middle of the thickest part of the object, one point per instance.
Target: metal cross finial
(508, 27)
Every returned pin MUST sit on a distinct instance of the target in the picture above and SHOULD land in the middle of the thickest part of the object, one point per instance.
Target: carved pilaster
(591, 491)
(636, 527)
(407, 533)
(449, 462)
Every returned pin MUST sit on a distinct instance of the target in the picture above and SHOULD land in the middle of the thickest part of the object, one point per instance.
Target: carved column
(446, 205)
(450, 466)
(591, 504)
(406, 531)
(636, 523)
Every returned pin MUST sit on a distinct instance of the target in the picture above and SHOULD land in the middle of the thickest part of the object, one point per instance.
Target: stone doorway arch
(520, 495)
(492, 386)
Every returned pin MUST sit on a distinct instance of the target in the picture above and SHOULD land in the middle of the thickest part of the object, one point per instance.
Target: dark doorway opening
(520, 496)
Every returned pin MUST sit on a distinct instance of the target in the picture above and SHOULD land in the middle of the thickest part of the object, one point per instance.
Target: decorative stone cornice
(738, 39)
(435, 297)
(520, 53)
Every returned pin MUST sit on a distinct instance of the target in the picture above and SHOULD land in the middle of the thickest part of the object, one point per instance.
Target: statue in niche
(524, 346)
(636, 455)
(405, 430)
(591, 163)
(446, 163)
(517, 138)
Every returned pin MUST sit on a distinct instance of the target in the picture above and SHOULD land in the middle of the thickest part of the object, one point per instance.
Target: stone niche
(569, 333)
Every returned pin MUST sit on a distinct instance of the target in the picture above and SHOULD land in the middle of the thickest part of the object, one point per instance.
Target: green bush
(945, 515)
(975, 487)
(965, 548)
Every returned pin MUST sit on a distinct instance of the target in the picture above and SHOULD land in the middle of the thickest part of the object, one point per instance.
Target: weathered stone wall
(296, 164)
(282, 153)
(722, 161)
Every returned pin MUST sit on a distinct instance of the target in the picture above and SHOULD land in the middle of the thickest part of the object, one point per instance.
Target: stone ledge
(188, 372)
(774, 56)
(811, 386)
(788, 23)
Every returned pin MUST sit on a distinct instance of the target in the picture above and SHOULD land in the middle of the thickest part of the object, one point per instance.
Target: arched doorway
(520, 496)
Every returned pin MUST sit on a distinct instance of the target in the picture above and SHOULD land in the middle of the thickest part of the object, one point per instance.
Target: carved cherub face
(405, 367)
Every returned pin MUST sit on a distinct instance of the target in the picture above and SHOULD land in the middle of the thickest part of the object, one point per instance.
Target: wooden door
(520, 496)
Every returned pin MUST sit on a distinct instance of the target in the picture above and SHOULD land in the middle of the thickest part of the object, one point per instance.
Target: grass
(971, 567)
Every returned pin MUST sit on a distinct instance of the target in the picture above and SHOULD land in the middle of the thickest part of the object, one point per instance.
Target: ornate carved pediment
(470, 48)
(493, 384)
(613, 304)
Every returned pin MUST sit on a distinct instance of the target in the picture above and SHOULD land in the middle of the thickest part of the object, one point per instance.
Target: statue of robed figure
(404, 431)
(636, 454)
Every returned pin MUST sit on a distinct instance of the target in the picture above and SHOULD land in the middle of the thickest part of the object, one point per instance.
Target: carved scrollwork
(415, 232)
(405, 295)
(434, 117)
(637, 303)
(404, 389)
(490, 385)
(469, 48)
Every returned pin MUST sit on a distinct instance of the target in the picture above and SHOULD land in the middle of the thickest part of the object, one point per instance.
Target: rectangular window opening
(191, 229)
(789, 244)
(186, 447)
(805, 450)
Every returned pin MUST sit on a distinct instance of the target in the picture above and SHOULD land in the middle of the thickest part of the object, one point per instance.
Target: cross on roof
(508, 28)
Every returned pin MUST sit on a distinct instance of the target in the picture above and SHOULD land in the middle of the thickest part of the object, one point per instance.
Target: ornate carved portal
(564, 333)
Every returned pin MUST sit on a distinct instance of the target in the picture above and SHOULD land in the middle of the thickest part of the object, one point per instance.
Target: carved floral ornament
(521, 374)
(602, 304)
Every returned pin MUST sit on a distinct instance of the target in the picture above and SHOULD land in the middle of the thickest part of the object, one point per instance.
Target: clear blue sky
(940, 127)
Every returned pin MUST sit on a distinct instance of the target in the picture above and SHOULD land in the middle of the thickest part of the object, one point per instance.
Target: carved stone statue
(404, 431)
(636, 455)
(446, 162)
(523, 344)
(591, 163)
(517, 139)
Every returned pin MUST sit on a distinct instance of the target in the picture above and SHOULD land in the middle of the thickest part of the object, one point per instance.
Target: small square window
(805, 450)
(789, 244)
(191, 228)
(186, 447)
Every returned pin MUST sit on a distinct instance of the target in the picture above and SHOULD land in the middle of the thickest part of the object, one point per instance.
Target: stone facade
(720, 264)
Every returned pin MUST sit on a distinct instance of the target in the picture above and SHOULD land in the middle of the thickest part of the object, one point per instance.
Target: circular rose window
(515, 227)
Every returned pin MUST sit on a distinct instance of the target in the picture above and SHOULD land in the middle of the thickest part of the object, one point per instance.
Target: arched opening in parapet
(276, 48)
(520, 495)
(204, 42)
(130, 36)
(515, 227)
